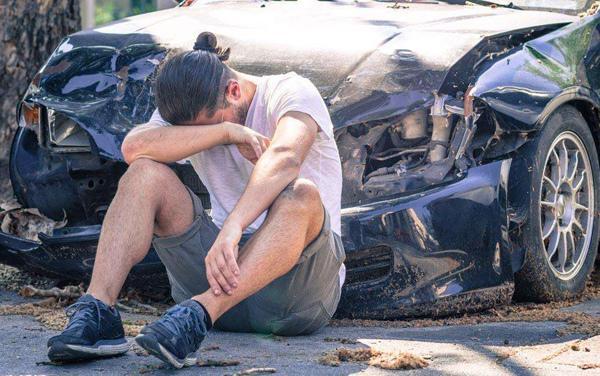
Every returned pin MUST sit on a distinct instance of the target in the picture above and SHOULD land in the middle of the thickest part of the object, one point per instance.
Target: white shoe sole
(102, 349)
(156, 349)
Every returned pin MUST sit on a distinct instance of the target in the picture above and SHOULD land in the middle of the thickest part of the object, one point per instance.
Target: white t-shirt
(225, 172)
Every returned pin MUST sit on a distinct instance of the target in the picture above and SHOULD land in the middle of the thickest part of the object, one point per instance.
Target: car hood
(351, 51)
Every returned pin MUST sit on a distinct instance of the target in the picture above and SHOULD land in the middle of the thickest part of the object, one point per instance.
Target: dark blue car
(469, 138)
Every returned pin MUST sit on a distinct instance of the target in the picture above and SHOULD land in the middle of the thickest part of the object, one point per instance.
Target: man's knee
(143, 173)
(302, 193)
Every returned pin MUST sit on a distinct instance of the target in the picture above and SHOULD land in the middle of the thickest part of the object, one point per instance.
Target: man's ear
(233, 90)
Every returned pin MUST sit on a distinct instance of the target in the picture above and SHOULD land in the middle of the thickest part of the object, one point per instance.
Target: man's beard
(241, 112)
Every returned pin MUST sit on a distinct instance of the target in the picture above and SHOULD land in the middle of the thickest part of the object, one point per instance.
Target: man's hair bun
(207, 41)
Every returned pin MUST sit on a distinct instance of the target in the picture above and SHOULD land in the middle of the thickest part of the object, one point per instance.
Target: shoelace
(181, 321)
(79, 316)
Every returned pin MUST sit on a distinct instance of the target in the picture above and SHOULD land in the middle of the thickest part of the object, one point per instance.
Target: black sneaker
(94, 330)
(175, 337)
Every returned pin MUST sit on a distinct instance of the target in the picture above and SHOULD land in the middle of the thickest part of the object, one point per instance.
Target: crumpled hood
(351, 51)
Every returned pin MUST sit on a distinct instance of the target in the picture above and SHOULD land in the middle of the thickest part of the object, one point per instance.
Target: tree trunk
(29, 32)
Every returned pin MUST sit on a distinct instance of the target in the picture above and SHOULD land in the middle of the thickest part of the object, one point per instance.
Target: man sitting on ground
(268, 259)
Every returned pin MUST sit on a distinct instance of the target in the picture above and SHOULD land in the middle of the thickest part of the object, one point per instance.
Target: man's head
(197, 87)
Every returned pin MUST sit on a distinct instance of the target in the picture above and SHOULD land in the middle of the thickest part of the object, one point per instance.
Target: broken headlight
(30, 116)
(65, 135)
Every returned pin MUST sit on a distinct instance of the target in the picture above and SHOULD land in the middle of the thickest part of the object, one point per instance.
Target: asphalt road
(485, 349)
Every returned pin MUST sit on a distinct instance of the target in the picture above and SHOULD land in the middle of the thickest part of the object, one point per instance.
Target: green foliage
(107, 11)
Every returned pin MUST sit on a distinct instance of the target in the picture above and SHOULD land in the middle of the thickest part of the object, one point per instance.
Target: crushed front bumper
(418, 255)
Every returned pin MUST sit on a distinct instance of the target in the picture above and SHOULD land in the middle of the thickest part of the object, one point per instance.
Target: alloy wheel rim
(566, 205)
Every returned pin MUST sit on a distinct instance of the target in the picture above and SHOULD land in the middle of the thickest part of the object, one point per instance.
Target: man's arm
(173, 143)
(278, 167)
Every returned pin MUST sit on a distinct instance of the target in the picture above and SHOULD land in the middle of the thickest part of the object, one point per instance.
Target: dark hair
(192, 81)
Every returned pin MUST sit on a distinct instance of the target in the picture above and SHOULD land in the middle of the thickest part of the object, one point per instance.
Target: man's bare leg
(150, 199)
(294, 220)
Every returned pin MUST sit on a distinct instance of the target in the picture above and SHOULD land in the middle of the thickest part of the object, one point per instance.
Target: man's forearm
(171, 144)
(272, 173)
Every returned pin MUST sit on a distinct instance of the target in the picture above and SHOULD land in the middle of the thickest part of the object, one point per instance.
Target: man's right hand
(251, 144)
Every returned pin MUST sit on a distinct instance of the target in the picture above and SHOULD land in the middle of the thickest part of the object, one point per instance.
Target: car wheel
(561, 233)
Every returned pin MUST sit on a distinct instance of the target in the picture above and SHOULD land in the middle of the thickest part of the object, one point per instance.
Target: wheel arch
(586, 101)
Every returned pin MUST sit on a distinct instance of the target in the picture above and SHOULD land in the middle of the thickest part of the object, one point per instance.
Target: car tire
(557, 264)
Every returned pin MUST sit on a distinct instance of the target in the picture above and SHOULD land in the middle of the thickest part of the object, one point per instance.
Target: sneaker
(94, 330)
(176, 336)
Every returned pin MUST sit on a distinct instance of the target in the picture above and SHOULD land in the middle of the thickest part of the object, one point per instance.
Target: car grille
(368, 265)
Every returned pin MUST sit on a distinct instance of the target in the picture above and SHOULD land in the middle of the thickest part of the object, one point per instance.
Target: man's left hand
(221, 261)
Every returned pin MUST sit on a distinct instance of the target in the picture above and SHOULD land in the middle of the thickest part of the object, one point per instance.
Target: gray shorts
(299, 302)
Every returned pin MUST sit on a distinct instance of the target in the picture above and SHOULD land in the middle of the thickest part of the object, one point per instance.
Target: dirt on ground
(12, 279)
(577, 322)
(385, 360)
(49, 310)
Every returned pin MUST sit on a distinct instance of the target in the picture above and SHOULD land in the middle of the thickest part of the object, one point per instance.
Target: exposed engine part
(442, 128)
(414, 125)
(413, 158)
(470, 117)
(400, 146)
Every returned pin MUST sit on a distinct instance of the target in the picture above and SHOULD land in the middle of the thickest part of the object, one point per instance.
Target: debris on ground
(398, 361)
(217, 363)
(589, 366)
(13, 279)
(138, 350)
(26, 222)
(503, 355)
(345, 341)
(255, 371)
(133, 328)
(46, 312)
(134, 306)
(47, 363)
(49, 312)
(397, 5)
(577, 322)
(151, 368)
(68, 292)
(210, 348)
(375, 358)
(555, 353)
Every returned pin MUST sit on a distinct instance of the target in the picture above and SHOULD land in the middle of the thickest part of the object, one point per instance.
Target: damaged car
(468, 134)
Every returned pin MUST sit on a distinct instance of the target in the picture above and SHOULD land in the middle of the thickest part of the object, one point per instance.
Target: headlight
(65, 135)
